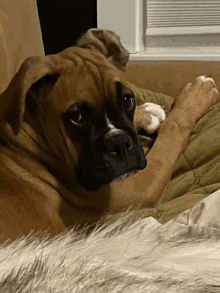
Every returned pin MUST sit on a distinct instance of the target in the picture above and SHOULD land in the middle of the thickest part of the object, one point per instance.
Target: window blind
(182, 16)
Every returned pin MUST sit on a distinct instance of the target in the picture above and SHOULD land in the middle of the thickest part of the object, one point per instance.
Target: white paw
(157, 114)
(204, 78)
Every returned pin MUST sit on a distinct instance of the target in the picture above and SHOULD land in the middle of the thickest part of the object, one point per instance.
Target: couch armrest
(20, 36)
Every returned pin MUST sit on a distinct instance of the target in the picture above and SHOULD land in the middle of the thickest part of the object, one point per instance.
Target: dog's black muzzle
(122, 154)
(121, 150)
(115, 153)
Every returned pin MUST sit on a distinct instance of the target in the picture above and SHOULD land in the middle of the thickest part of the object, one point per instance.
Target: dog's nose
(118, 143)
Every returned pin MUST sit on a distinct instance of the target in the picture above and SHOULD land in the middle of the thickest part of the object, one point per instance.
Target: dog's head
(81, 104)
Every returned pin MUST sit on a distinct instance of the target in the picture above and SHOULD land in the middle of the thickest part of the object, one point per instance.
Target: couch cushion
(168, 77)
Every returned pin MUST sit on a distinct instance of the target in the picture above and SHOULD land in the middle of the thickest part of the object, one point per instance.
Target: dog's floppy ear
(108, 43)
(13, 98)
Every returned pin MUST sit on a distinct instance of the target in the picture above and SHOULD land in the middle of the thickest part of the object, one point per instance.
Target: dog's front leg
(145, 188)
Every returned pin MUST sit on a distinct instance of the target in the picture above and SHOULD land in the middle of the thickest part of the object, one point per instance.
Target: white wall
(124, 17)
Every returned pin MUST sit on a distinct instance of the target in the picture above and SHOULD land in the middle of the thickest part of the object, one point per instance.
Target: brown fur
(39, 190)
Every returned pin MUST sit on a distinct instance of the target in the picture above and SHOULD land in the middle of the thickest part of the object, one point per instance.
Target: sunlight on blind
(184, 16)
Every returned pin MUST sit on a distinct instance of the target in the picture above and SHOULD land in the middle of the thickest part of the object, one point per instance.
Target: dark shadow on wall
(64, 21)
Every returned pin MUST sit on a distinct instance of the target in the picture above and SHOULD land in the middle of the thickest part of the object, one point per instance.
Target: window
(164, 29)
(182, 17)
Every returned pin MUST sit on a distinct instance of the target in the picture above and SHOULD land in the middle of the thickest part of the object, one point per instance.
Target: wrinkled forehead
(88, 77)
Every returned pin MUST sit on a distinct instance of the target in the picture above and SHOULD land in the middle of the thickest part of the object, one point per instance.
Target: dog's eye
(129, 102)
(76, 117)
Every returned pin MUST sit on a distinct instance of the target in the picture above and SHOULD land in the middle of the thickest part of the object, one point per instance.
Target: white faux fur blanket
(119, 258)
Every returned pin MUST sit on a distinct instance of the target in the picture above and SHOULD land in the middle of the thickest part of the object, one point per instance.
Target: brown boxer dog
(67, 133)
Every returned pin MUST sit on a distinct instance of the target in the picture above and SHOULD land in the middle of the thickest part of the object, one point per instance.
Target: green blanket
(197, 172)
